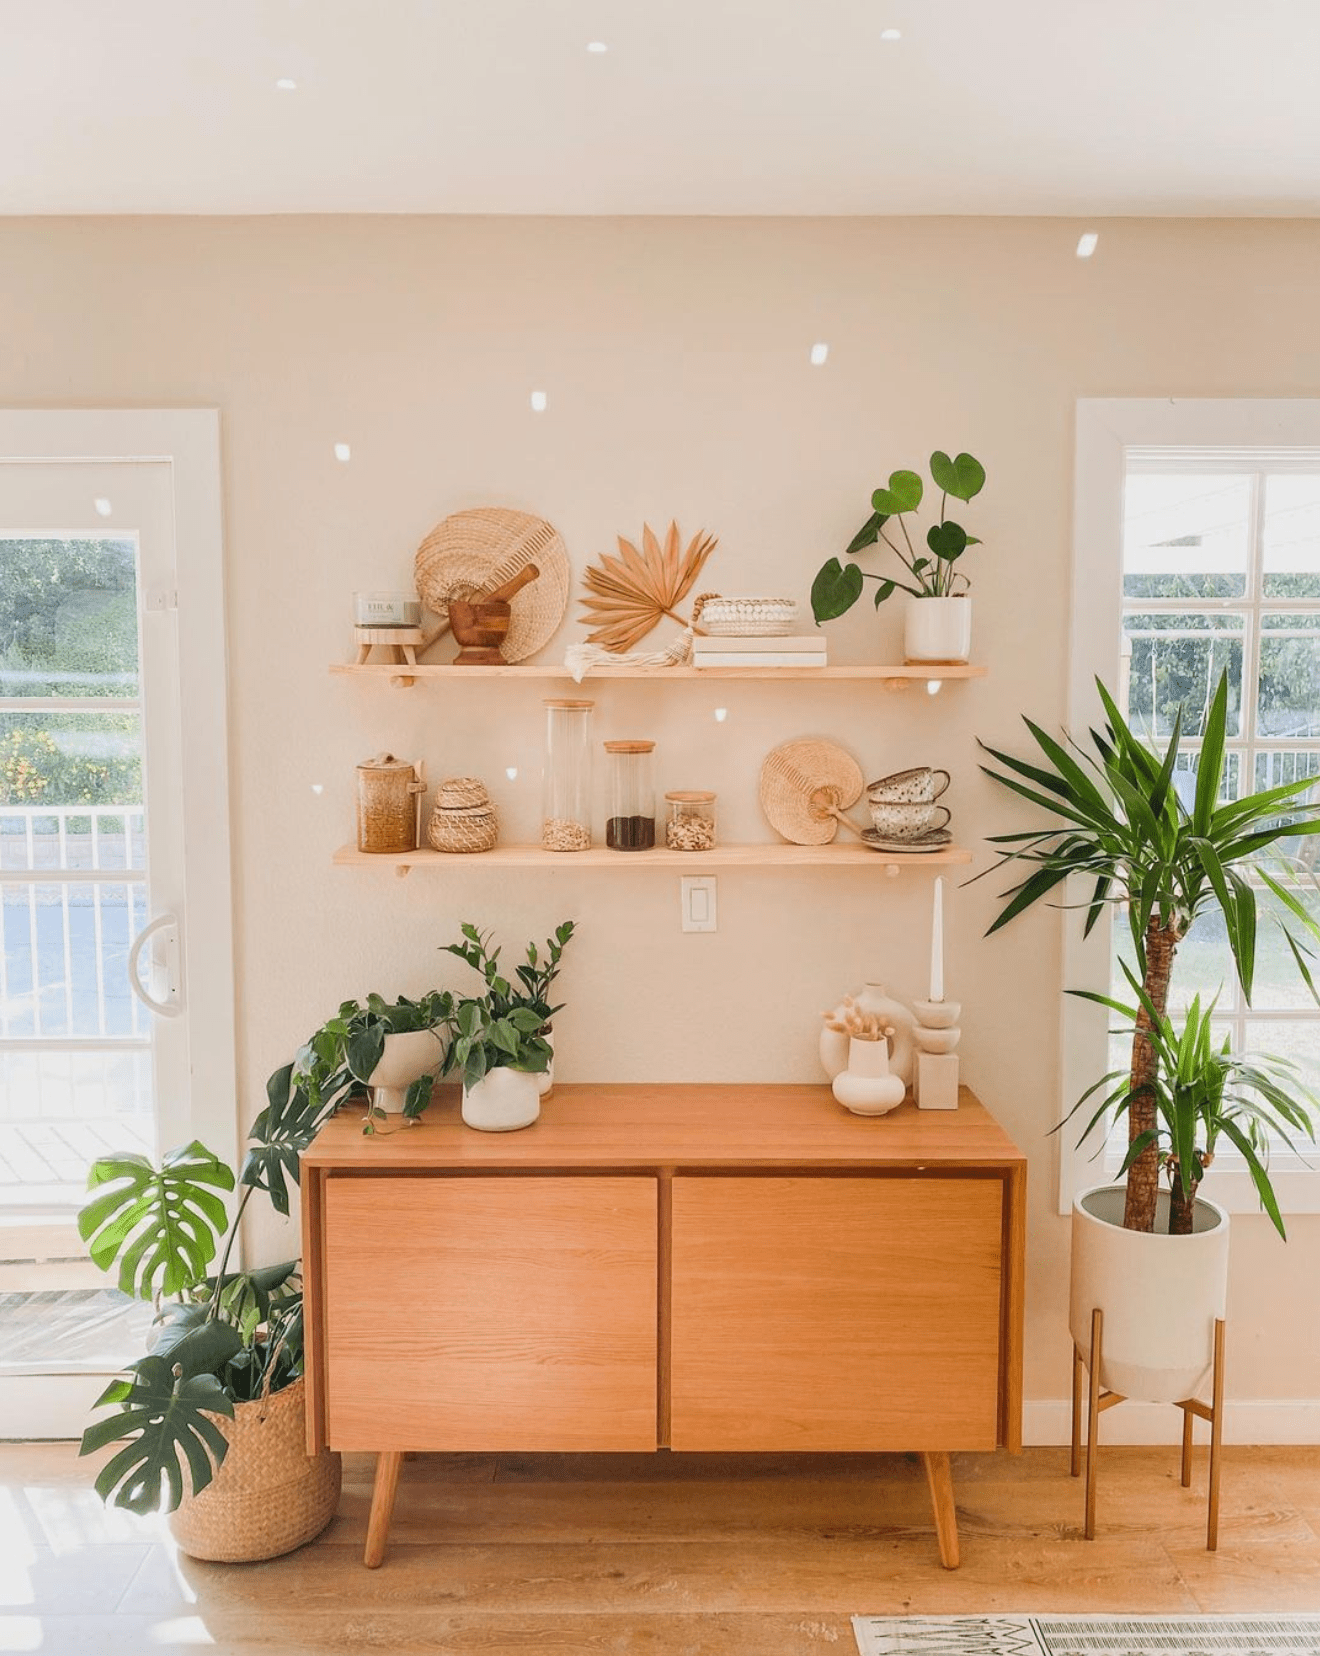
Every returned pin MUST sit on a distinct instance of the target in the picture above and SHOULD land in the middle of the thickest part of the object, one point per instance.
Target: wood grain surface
(490, 1313)
(819, 1314)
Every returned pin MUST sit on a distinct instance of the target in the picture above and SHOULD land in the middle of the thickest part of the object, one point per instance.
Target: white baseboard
(1253, 1420)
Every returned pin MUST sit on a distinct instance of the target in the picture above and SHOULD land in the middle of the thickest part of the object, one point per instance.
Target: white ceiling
(1075, 107)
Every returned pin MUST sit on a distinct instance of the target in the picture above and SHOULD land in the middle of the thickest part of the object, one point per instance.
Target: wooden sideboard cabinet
(667, 1267)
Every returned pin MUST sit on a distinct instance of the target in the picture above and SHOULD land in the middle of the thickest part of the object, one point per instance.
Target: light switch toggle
(698, 904)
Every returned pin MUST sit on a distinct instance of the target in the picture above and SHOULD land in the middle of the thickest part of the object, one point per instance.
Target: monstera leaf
(962, 478)
(286, 1126)
(161, 1413)
(835, 590)
(903, 494)
(161, 1224)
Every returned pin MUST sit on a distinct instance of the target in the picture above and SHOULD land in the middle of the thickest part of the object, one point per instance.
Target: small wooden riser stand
(1193, 1409)
(399, 645)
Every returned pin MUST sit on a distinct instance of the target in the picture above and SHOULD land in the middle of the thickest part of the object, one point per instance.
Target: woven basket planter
(269, 1495)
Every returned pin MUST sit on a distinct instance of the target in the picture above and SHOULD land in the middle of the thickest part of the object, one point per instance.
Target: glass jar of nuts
(690, 821)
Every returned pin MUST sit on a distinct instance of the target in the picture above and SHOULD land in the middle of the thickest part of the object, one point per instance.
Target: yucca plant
(1119, 823)
(1201, 1090)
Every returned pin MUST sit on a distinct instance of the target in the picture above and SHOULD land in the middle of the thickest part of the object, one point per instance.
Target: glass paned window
(1221, 572)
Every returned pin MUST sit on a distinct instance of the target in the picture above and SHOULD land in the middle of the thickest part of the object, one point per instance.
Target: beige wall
(675, 358)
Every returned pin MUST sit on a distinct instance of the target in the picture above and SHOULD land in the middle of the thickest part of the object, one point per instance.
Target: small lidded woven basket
(463, 819)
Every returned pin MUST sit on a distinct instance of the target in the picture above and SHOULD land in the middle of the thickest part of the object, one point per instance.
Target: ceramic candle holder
(937, 1035)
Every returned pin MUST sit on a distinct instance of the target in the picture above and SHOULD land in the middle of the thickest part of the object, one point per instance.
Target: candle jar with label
(630, 825)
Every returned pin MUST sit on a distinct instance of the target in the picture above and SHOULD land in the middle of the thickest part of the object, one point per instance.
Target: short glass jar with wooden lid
(630, 825)
(690, 820)
(566, 798)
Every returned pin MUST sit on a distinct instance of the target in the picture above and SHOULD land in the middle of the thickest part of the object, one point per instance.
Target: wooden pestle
(516, 583)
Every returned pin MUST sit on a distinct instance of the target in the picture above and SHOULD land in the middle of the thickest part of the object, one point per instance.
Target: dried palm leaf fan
(807, 787)
(631, 594)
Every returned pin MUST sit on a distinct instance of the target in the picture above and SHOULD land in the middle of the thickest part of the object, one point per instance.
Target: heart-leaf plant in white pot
(390, 1053)
(937, 625)
(1118, 822)
(501, 1038)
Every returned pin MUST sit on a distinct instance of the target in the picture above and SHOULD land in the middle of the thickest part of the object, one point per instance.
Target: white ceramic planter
(1160, 1294)
(545, 1080)
(937, 629)
(866, 1087)
(502, 1101)
(418, 1052)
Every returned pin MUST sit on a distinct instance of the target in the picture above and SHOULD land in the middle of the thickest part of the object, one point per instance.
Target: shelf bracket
(402, 870)
(404, 680)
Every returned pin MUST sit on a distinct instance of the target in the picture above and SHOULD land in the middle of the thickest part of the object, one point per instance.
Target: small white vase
(937, 629)
(866, 1087)
(502, 1101)
(1160, 1294)
(874, 998)
(416, 1052)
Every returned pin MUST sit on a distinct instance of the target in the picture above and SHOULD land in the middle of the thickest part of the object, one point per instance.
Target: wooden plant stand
(1193, 1409)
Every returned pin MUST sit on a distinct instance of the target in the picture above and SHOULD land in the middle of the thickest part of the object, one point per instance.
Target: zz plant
(1116, 819)
(932, 573)
(506, 1026)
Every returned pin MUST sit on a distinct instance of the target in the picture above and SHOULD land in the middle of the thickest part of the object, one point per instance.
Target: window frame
(1279, 433)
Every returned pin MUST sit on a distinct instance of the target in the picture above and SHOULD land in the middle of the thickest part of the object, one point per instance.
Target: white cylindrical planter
(407, 1056)
(937, 629)
(502, 1101)
(1160, 1294)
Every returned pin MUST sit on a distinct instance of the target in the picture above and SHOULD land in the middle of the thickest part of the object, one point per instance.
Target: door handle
(172, 1005)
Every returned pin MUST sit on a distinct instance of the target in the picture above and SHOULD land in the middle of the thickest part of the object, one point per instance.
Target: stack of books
(807, 650)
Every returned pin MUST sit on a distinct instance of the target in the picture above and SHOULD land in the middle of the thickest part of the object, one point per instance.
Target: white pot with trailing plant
(501, 1045)
(937, 624)
(1154, 1261)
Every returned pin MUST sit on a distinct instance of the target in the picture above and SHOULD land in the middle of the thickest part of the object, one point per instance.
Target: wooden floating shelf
(895, 678)
(693, 862)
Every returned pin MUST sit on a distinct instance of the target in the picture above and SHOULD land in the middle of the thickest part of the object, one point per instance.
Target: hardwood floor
(763, 1555)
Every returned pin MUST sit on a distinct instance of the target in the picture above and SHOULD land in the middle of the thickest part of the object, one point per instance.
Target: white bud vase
(866, 1087)
(502, 1101)
(875, 999)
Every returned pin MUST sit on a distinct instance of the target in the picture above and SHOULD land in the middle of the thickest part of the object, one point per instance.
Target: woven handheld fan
(806, 787)
(631, 594)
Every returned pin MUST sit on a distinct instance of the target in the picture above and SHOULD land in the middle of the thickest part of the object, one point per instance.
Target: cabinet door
(835, 1313)
(490, 1313)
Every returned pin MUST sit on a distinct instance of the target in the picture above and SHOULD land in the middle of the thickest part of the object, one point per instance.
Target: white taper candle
(937, 943)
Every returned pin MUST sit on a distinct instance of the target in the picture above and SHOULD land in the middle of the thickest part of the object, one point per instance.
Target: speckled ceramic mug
(921, 785)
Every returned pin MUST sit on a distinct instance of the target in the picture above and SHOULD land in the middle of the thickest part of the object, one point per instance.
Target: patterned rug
(1087, 1635)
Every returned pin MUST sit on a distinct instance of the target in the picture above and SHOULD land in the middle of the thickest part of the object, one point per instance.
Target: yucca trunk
(1143, 1179)
(1182, 1205)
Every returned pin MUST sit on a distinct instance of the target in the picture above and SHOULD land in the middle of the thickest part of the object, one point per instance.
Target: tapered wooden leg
(940, 1479)
(1216, 1434)
(1093, 1418)
(1076, 1467)
(1188, 1418)
(382, 1507)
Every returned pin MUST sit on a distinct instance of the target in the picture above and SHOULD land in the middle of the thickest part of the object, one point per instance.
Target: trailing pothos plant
(1116, 818)
(1202, 1090)
(506, 1026)
(220, 1336)
(932, 573)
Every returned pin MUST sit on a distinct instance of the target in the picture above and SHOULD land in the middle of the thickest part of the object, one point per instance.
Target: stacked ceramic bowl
(904, 812)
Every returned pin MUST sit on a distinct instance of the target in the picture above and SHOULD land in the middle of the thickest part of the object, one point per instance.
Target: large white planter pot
(418, 1052)
(1160, 1295)
(937, 629)
(502, 1101)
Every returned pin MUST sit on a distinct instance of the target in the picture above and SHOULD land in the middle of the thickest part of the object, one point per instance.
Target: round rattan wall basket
(805, 785)
(469, 553)
(269, 1495)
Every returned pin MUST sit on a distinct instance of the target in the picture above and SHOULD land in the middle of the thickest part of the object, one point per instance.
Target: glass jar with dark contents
(630, 825)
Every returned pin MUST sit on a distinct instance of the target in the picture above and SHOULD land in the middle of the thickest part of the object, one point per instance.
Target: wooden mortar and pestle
(481, 624)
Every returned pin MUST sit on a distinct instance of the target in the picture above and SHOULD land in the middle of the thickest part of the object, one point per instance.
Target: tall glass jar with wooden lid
(566, 795)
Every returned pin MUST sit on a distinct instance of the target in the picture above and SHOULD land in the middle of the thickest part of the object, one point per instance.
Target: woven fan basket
(467, 828)
(477, 551)
(269, 1495)
(802, 783)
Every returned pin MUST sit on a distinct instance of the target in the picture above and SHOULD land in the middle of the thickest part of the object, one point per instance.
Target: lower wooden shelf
(838, 855)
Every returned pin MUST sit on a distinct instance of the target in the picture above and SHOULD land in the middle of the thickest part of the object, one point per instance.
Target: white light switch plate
(698, 899)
